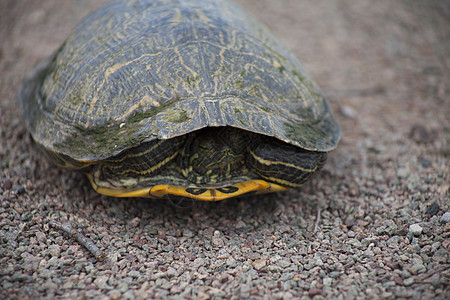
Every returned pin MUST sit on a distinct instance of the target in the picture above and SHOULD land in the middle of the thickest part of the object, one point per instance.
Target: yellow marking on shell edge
(210, 194)
(269, 163)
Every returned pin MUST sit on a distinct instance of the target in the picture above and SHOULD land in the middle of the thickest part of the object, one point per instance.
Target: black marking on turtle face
(228, 189)
(195, 191)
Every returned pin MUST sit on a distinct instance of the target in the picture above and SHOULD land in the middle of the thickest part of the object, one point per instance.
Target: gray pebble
(6, 285)
(55, 250)
(351, 233)
(388, 284)
(217, 242)
(316, 261)
(89, 268)
(101, 282)
(122, 287)
(50, 286)
(335, 274)
(19, 190)
(418, 268)
(274, 269)
(440, 255)
(19, 277)
(327, 281)
(415, 229)
(433, 209)
(393, 241)
(403, 172)
(41, 237)
(114, 294)
(284, 276)
(11, 235)
(198, 262)
(171, 272)
(284, 263)
(409, 236)
(435, 246)
(408, 281)
(275, 258)
(134, 274)
(231, 262)
(128, 295)
(188, 233)
(355, 243)
(52, 262)
(445, 218)
(336, 232)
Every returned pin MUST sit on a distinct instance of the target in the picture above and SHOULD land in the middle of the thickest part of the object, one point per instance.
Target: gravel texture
(382, 199)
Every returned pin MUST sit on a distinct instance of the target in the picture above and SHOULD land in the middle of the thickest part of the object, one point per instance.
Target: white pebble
(445, 218)
(415, 229)
(327, 281)
(349, 111)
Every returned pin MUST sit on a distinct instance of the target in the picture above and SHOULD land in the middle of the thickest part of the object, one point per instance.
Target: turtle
(183, 98)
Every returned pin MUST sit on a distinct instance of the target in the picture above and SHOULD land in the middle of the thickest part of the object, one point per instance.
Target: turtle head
(215, 155)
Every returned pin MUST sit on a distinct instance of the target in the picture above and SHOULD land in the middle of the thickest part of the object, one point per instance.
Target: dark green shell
(135, 71)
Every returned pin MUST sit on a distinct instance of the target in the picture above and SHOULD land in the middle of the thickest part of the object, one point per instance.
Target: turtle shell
(138, 70)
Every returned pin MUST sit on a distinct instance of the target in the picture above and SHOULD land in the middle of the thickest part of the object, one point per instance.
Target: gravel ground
(383, 197)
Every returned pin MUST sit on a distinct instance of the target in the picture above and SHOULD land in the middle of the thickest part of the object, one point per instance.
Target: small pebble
(408, 281)
(188, 233)
(135, 222)
(7, 184)
(101, 282)
(335, 274)
(19, 190)
(418, 268)
(259, 264)
(433, 209)
(314, 292)
(348, 111)
(403, 172)
(351, 234)
(41, 237)
(114, 294)
(426, 163)
(415, 229)
(445, 218)
(393, 241)
(421, 134)
(55, 250)
(327, 281)
(284, 263)
(231, 262)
